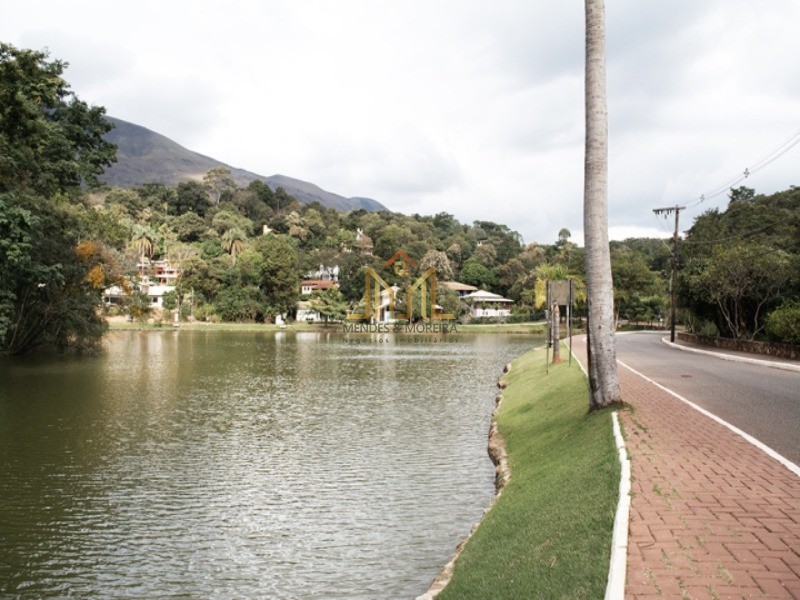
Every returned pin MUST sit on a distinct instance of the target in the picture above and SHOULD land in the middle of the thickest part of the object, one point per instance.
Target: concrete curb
(615, 588)
(735, 358)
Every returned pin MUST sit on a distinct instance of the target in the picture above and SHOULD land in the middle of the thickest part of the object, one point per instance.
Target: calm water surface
(213, 465)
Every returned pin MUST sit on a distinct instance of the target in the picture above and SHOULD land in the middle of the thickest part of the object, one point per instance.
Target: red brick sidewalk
(712, 516)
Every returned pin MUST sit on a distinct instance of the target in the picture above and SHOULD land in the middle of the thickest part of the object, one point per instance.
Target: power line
(771, 157)
(790, 143)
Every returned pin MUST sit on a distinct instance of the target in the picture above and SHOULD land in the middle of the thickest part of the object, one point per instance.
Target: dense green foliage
(50, 144)
(783, 324)
(741, 264)
(50, 141)
(242, 251)
(329, 303)
(242, 256)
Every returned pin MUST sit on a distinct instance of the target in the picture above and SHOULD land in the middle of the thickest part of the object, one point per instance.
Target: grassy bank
(202, 326)
(538, 327)
(549, 534)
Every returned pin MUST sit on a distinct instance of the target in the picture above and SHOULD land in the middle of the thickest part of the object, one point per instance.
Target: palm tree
(143, 240)
(233, 242)
(601, 341)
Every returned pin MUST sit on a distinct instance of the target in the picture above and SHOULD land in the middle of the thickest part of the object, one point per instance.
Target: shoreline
(528, 328)
(497, 453)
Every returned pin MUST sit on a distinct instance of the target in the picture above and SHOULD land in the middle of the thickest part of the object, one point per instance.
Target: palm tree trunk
(601, 341)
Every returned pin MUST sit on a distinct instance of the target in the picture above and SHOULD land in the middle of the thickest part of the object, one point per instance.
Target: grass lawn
(202, 326)
(549, 534)
(539, 327)
(136, 326)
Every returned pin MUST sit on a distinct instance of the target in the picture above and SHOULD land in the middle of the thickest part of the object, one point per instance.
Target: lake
(198, 464)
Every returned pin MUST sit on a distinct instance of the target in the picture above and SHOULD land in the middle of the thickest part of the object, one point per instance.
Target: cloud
(93, 64)
(470, 108)
(106, 72)
(184, 109)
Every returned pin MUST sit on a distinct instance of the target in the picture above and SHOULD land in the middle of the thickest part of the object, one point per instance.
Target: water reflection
(259, 465)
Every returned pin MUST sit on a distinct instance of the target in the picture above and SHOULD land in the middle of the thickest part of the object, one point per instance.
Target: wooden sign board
(560, 291)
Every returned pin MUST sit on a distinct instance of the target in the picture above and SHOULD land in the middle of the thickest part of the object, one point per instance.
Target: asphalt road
(761, 401)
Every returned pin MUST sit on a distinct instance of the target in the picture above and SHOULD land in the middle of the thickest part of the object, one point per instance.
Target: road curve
(761, 401)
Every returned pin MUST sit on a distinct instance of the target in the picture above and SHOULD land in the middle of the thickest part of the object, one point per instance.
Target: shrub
(708, 329)
(783, 323)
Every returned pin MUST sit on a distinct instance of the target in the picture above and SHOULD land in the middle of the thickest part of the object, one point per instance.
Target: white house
(307, 286)
(462, 289)
(306, 313)
(163, 272)
(155, 293)
(487, 304)
(156, 278)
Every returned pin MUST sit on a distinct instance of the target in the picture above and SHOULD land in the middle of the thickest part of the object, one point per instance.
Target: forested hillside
(144, 156)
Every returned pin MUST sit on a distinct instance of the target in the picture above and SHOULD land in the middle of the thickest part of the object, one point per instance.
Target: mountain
(144, 156)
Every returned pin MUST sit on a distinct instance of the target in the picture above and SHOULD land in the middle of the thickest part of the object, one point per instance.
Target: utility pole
(675, 241)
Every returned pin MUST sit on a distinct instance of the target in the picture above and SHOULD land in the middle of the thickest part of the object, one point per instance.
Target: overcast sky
(469, 107)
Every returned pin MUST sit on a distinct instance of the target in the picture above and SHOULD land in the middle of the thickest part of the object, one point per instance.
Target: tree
(240, 303)
(439, 261)
(189, 227)
(143, 240)
(128, 199)
(454, 254)
(352, 270)
(601, 341)
(139, 307)
(263, 191)
(486, 255)
(50, 141)
(49, 292)
(742, 280)
(283, 200)
(197, 279)
(180, 252)
(445, 223)
(156, 195)
(733, 261)
(297, 226)
(505, 242)
(50, 144)
(563, 236)
(230, 219)
(633, 281)
(190, 196)
(393, 237)
(252, 206)
(233, 242)
(329, 303)
(474, 273)
(279, 279)
(783, 323)
(249, 267)
(217, 182)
